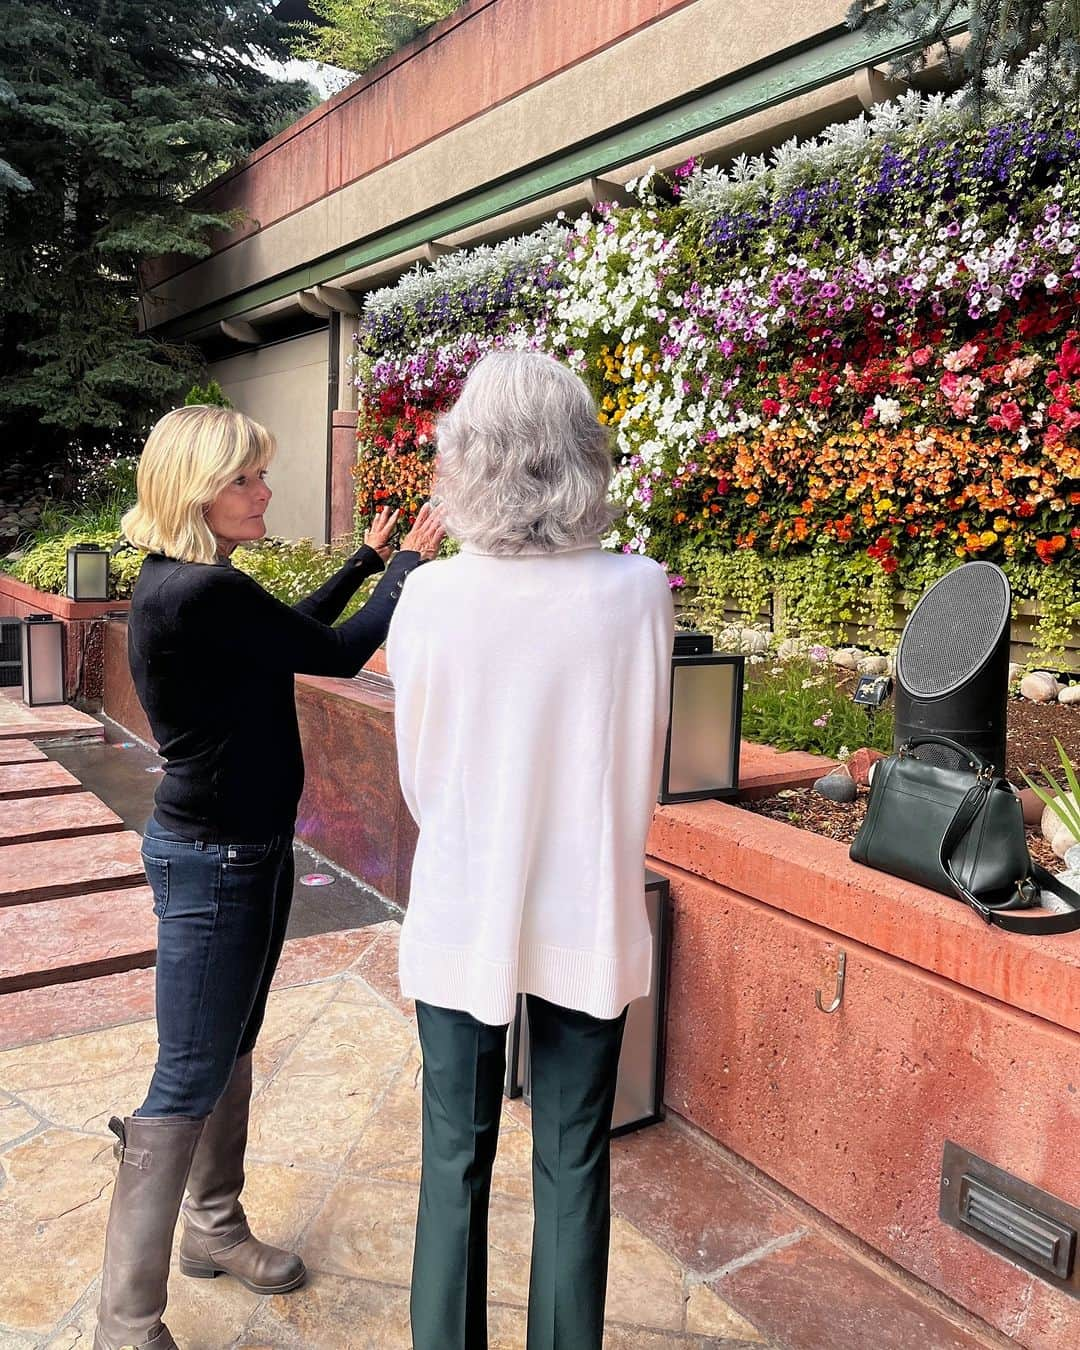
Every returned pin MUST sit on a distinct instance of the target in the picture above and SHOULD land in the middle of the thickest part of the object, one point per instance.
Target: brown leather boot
(154, 1154)
(217, 1240)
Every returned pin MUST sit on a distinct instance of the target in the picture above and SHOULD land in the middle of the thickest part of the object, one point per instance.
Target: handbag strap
(966, 815)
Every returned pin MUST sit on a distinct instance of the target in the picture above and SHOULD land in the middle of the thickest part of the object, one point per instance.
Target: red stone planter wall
(948, 1029)
(119, 700)
(84, 637)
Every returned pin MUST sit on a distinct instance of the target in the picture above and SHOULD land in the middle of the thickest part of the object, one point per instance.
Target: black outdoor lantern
(87, 572)
(701, 758)
(42, 659)
(639, 1090)
(10, 652)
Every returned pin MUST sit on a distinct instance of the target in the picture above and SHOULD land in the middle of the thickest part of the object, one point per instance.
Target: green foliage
(997, 30)
(111, 115)
(1063, 801)
(800, 705)
(356, 34)
(288, 570)
(211, 395)
(836, 597)
(291, 570)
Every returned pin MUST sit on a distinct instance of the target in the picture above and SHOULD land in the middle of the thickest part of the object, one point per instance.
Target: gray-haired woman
(531, 676)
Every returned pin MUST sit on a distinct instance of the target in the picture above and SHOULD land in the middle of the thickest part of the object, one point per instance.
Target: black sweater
(213, 657)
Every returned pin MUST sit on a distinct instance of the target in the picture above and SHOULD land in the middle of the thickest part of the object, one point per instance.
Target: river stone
(1015, 672)
(1070, 694)
(753, 641)
(844, 659)
(836, 787)
(1039, 686)
(1055, 831)
(872, 665)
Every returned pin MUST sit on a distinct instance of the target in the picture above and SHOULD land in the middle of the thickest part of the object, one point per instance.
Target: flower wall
(839, 371)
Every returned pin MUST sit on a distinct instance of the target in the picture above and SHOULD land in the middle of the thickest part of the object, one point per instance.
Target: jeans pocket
(237, 857)
(157, 874)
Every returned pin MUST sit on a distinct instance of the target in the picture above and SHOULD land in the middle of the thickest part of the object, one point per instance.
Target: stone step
(36, 780)
(80, 937)
(53, 724)
(69, 815)
(17, 751)
(50, 869)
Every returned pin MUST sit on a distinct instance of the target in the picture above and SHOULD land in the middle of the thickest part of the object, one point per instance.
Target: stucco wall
(284, 387)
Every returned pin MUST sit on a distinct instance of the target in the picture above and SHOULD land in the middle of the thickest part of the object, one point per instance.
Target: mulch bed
(1031, 731)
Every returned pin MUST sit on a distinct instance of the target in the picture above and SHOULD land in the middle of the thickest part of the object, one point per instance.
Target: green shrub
(290, 570)
(803, 705)
(210, 394)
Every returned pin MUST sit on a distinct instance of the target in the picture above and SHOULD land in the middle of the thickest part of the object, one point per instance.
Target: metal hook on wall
(838, 998)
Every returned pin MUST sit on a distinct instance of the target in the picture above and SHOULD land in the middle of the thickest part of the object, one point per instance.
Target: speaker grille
(953, 630)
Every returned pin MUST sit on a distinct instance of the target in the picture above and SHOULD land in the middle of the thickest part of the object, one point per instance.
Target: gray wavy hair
(523, 461)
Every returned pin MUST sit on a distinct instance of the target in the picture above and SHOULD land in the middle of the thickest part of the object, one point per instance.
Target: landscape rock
(753, 641)
(1033, 807)
(1039, 686)
(845, 659)
(1015, 672)
(1070, 694)
(860, 765)
(872, 665)
(1055, 831)
(836, 787)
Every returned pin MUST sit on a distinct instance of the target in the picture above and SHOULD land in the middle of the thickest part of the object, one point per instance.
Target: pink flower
(962, 359)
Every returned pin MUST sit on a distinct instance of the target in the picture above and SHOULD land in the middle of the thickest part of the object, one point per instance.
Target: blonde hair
(190, 456)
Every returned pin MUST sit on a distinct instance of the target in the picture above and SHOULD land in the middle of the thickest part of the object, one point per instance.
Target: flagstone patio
(703, 1254)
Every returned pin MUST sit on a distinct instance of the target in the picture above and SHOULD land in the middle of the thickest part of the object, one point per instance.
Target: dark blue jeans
(222, 912)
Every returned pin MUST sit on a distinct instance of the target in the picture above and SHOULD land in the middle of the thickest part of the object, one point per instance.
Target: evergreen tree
(355, 34)
(112, 113)
(997, 31)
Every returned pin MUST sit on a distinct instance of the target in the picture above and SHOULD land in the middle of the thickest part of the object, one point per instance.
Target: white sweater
(532, 699)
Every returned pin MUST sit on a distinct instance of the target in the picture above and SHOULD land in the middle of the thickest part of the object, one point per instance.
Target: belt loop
(200, 844)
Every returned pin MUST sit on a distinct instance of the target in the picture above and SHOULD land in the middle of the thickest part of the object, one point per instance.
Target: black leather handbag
(959, 832)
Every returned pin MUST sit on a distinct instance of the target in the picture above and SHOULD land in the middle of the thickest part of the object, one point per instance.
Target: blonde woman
(531, 676)
(213, 658)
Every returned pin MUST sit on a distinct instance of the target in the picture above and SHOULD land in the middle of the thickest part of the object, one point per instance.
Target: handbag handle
(974, 759)
(1038, 879)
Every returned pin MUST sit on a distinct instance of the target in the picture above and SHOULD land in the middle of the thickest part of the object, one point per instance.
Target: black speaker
(952, 665)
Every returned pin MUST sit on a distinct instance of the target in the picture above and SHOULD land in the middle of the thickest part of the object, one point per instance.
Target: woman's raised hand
(379, 535)
(426, 534)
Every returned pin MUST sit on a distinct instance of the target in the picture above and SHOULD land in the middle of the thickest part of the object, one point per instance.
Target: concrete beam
(239, 330)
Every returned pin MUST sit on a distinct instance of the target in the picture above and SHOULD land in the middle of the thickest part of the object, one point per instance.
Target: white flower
(1051, 281)
(887, 410)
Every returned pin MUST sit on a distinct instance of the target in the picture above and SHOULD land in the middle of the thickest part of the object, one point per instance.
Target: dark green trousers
(575, 1061)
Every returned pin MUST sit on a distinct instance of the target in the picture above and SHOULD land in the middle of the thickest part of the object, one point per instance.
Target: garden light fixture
(639, 1090)
(701, 757)
(87, 572)
(42, 660)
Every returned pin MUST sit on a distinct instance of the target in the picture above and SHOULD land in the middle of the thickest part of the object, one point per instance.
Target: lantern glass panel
(703, 729)
(43, 663)
(88, 574)
(639, 1091)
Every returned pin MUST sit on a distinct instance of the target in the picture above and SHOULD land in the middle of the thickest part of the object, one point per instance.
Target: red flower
(769, 407)
(1007, 418)
(1068, 361)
